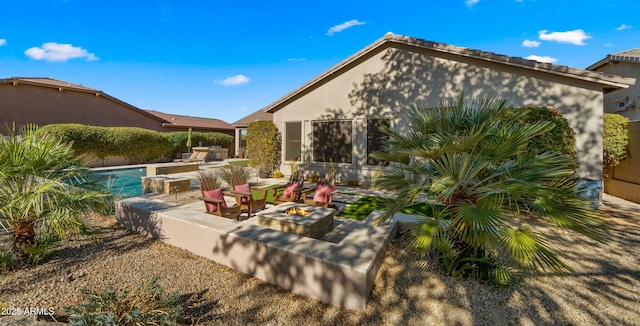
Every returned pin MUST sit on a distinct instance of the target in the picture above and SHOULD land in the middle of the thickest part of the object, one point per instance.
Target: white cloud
(343, 26)
(471, 3)
(530, 44)
(3, 42)
(575, 37)
(296, 59)
(52, 51)
(235, 80)
(546, 59)
(623, 27)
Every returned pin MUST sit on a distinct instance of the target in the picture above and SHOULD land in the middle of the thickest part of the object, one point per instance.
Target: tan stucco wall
(632, 93)
(629, 169)
(25, 104)
(387, 82)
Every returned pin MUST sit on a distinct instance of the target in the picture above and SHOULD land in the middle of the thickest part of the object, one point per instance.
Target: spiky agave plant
(469, 160)
(33, 197)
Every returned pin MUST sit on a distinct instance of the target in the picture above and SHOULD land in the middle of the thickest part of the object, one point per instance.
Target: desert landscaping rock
(409, 289)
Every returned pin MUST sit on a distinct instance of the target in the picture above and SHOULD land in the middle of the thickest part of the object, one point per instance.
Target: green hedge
(136, 144)
(179, 139)
(615, 140)
(560, 139)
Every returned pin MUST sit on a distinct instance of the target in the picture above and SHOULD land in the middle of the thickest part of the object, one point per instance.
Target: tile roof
(255, 116)
(632, 55)
(183, 121)
(63, 85)
(390, 39)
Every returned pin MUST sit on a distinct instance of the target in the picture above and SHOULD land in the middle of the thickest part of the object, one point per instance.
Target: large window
(293, 141)
(332, 141)
(376, 139)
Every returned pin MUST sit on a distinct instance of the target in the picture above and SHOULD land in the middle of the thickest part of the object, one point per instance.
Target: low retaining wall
(625, 190)
(340, 274)
(169, 168)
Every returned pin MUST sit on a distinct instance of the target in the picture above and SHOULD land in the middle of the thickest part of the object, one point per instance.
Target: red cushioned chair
(292, 190)
(322, 194)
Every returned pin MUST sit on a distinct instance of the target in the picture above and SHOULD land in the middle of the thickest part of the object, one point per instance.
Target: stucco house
(624, 101)
(335, 116)
(624, 180)
(43, 101)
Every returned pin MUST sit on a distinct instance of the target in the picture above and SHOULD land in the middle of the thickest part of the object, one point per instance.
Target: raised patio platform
(339, 273)
(169, 168)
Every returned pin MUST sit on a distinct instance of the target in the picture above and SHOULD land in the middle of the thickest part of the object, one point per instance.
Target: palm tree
(469, 161)
(34, 199)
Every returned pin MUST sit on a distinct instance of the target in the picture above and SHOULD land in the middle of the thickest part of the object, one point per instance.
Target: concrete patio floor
(338, 269)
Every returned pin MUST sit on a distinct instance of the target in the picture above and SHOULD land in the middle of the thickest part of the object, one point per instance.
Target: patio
(338, 268)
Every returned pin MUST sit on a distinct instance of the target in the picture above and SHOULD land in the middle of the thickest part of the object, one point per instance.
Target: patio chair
(243, 191)
(322, 193)
(213, 197)
(292, 190)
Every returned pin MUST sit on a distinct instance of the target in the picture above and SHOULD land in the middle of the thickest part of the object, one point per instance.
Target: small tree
(35, 201)
(615, 138)
(471, 163)
(263, 145)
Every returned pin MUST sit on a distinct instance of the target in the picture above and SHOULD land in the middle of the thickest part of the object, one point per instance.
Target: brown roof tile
(175, 120)
(259, 115)
(390, 39)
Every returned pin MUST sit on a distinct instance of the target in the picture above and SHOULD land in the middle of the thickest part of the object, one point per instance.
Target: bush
(179, 139)
(143, 306)
(6, 260)
(560, 139)
(136, 144)
(615, 140)
(263, 145)
(243, 171)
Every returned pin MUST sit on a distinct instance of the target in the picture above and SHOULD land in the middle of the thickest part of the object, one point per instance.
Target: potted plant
(263, 147)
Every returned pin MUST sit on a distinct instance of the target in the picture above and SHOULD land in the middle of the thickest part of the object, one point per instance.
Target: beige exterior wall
(25, 104)
(631, 94)
(385, 83)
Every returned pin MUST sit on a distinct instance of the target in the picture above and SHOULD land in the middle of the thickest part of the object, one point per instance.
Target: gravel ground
(409, 290)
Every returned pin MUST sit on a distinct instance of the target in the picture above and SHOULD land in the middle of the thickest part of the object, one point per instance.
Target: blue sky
(226, 59)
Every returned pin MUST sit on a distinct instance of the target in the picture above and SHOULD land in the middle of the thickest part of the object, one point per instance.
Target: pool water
(121, 182)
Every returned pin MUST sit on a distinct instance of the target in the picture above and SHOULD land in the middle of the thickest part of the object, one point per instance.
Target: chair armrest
(239, 193)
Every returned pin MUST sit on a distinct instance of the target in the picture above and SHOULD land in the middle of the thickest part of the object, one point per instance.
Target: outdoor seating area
(317, 255)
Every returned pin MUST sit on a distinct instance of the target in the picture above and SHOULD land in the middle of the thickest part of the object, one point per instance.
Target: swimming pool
(121, 182)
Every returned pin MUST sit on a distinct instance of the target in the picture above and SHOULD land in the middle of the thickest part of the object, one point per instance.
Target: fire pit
(296, 218)
(297, 211)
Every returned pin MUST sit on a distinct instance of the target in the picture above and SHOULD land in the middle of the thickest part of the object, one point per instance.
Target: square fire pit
(306, 220)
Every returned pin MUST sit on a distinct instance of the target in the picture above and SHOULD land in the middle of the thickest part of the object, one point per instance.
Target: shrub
(243, 171)
(6, 260)
(179, 139)
(41, 248)
(560, 139)
(615, 140)
(263, 145)
(136, 144)
(277, 174)
(144, 306)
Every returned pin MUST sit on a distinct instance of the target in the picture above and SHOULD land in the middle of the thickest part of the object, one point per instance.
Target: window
(620, 105)
(332, 141)
(293, 141)
(376, 139)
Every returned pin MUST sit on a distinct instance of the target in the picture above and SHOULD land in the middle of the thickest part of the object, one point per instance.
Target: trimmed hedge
(560, 139)
(615, 138)
(136, 144)
(179, 139)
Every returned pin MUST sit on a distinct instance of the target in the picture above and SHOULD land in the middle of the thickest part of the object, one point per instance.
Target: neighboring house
(624, 180)
(335, 117)
(625, 102)
(43, 101)
(183, 123)
(241, 127)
